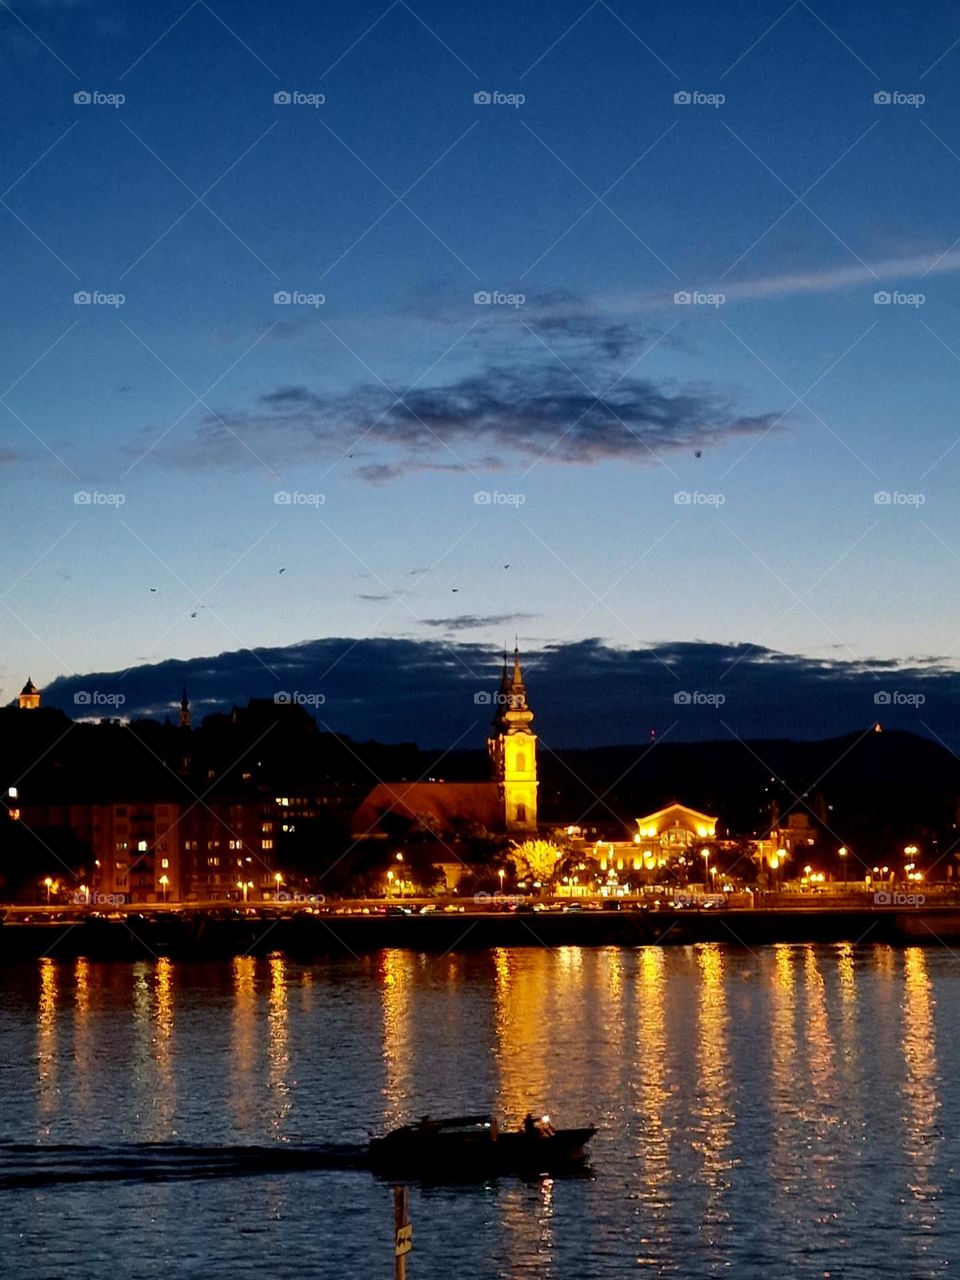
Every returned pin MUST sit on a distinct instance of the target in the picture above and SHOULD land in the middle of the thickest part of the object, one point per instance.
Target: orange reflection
(922, 1134)
(243, 1093)
(713, 1118)
(47, 1061)
(277, 1038)
(523, 1020)
(783, 1065)
(396, 973)
(650, 1086)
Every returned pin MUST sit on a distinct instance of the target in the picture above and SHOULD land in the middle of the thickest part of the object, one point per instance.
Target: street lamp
(705, 854)
(842, 854)
(278, 881)
(164, 881)
(48, 885)
(389, 882)
(501, 873)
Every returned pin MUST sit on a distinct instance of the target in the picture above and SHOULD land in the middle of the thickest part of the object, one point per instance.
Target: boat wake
(24, 1165)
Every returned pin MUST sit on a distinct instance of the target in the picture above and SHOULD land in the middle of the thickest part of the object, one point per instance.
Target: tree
(538, 858)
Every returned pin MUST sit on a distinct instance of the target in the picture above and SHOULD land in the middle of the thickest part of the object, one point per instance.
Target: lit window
(266, 844)
(164, 863)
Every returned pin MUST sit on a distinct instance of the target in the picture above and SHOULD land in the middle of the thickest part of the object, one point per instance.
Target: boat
(465, 1147)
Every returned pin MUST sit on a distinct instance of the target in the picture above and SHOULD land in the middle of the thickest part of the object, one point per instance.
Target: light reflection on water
(790, 1112)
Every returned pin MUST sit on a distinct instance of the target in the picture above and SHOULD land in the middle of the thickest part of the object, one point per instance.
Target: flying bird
(282, 571)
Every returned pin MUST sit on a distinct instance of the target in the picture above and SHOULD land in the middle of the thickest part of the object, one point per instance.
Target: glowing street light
(164, 881)
(48, 885)
(501, 873)
(705, 854)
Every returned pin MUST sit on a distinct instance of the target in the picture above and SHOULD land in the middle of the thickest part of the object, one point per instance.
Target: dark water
(789, 1113)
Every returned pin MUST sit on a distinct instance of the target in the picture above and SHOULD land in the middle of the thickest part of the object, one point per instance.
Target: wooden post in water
(402, 1230)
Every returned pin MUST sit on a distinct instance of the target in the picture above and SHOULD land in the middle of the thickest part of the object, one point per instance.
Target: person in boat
(536, 1127)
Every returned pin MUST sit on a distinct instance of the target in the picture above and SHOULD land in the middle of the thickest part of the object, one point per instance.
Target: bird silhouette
(282, 571)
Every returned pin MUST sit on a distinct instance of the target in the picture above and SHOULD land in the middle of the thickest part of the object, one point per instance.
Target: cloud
(548, 385)
(502, 415)
(584, 694)
(873, 275)
(473, 621)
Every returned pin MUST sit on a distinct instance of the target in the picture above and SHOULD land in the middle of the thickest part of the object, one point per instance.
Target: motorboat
(465, 1147)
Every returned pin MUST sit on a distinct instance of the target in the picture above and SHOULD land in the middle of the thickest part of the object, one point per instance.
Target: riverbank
(202, 936)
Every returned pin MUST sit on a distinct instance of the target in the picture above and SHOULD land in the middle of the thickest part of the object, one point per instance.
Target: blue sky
(783, 410)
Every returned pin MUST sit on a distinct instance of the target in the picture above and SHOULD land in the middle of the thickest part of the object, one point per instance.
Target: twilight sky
(658, 471)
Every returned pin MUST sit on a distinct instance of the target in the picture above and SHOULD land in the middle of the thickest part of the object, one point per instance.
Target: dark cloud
(472, 621)
(557, 388)
(585, 693)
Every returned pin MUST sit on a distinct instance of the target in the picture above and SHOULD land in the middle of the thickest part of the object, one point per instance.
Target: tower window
(521, 762)
(521, 813)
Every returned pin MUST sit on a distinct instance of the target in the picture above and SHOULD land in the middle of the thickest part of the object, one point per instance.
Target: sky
(443, 324)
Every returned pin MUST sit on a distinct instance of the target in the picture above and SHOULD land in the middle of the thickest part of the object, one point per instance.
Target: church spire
(513, 750)
(185, 717)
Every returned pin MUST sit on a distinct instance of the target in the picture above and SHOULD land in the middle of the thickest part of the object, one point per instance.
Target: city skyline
(660, 472)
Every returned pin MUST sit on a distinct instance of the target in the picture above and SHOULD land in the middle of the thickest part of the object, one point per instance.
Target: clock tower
(513, 752)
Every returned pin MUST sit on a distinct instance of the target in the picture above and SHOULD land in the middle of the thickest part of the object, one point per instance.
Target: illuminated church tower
(29, 697)
(513, 752)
